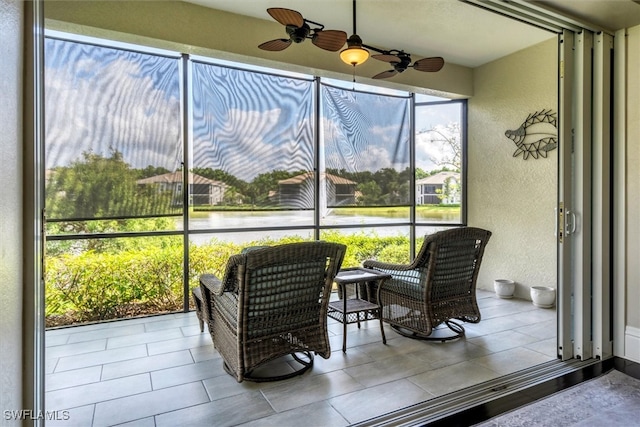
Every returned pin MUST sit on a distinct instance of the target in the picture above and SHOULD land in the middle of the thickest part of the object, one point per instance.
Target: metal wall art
(536, 136)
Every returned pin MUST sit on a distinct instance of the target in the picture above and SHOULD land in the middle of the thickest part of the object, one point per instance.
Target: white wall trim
(619, 177)
(632, 344)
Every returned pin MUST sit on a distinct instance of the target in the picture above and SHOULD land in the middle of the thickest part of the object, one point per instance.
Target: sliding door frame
(584, 196)
(565, 190)
(602, 196)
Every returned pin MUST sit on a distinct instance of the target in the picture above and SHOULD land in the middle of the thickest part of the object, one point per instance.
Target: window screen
(113, 132)
(366, 139)
(253, 138)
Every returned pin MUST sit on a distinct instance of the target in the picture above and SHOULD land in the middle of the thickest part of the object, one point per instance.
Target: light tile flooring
(162, 371)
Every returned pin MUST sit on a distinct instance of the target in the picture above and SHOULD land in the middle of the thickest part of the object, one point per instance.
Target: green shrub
(98, 286)
(362, 246)
(396, 253)
(92, 285)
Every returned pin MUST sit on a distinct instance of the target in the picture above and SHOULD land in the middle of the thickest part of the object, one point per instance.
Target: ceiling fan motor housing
(405, 60)
(298, 34)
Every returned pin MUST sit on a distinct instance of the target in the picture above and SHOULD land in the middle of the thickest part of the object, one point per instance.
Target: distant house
(441, 188)
(297, 191)
(202, 191)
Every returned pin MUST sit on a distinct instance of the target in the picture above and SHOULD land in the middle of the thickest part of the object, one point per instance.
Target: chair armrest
(212, 283)
(386, 266)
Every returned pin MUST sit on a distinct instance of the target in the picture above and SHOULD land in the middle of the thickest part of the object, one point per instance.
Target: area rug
(612, 399)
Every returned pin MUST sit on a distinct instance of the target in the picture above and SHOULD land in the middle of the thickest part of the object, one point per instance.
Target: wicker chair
(272, 302)
(423, 298)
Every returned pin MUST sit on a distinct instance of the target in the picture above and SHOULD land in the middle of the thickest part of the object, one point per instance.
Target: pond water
(267, 219)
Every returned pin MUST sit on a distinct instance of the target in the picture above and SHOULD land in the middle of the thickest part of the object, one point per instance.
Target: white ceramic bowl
(543, 296)
(504, 288)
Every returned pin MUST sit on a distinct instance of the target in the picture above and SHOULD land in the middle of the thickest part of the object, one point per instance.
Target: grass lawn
(423, 211)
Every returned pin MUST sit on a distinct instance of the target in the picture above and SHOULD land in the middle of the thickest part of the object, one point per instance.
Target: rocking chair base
(436, 333)
(305, 366)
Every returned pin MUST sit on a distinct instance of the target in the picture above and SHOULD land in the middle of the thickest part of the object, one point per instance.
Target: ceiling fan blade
(275, 45)
(429, 64)
(385, 74)
(386, 58)
(331, 40)
(286, 16)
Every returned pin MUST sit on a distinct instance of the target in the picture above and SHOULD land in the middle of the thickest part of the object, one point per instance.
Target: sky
(246, 123)
(100, 99)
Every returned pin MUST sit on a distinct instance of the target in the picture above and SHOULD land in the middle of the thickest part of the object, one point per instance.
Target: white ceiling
(462, 34)
(608, 14)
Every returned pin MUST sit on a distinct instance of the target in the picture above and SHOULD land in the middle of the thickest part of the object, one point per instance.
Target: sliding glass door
(584, 196)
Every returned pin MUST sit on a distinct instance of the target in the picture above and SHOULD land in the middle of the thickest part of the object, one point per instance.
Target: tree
(420, 173)
(232, 197)
(371, 194)
(152, 171)
(394, 186)
(391, 187)
(99, 187)
(450, 192)
(448, 140)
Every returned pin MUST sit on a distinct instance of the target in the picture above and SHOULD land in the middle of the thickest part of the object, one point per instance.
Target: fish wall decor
(536, 136)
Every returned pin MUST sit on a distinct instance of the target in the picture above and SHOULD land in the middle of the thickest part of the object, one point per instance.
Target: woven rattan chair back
(273, 302)
(438, 287)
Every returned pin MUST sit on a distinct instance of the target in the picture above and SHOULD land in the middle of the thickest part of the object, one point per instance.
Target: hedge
(97, 286)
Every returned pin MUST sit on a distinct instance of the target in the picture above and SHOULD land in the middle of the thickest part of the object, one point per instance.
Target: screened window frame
(130, 48)
(263, 71)
(463, 161)
(317, 227)
(399, 95)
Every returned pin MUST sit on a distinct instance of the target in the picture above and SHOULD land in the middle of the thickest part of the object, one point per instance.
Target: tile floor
(162, 371)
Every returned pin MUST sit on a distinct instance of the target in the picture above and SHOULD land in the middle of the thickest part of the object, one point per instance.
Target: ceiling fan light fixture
(354, 54)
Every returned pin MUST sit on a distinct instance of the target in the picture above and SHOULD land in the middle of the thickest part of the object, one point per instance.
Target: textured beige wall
(512, 197)
(174, 25)
(11, 16)
(633, 177)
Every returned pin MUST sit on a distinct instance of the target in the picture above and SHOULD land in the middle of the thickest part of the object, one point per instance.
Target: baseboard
(632, 344)
(627, 367)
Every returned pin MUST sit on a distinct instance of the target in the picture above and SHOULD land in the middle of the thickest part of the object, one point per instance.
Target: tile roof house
(440, 188)
(297, 191)
(203, 191)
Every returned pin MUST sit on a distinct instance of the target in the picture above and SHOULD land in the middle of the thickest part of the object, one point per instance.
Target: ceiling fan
(402, 60)
(356, 53)
(299, 30)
